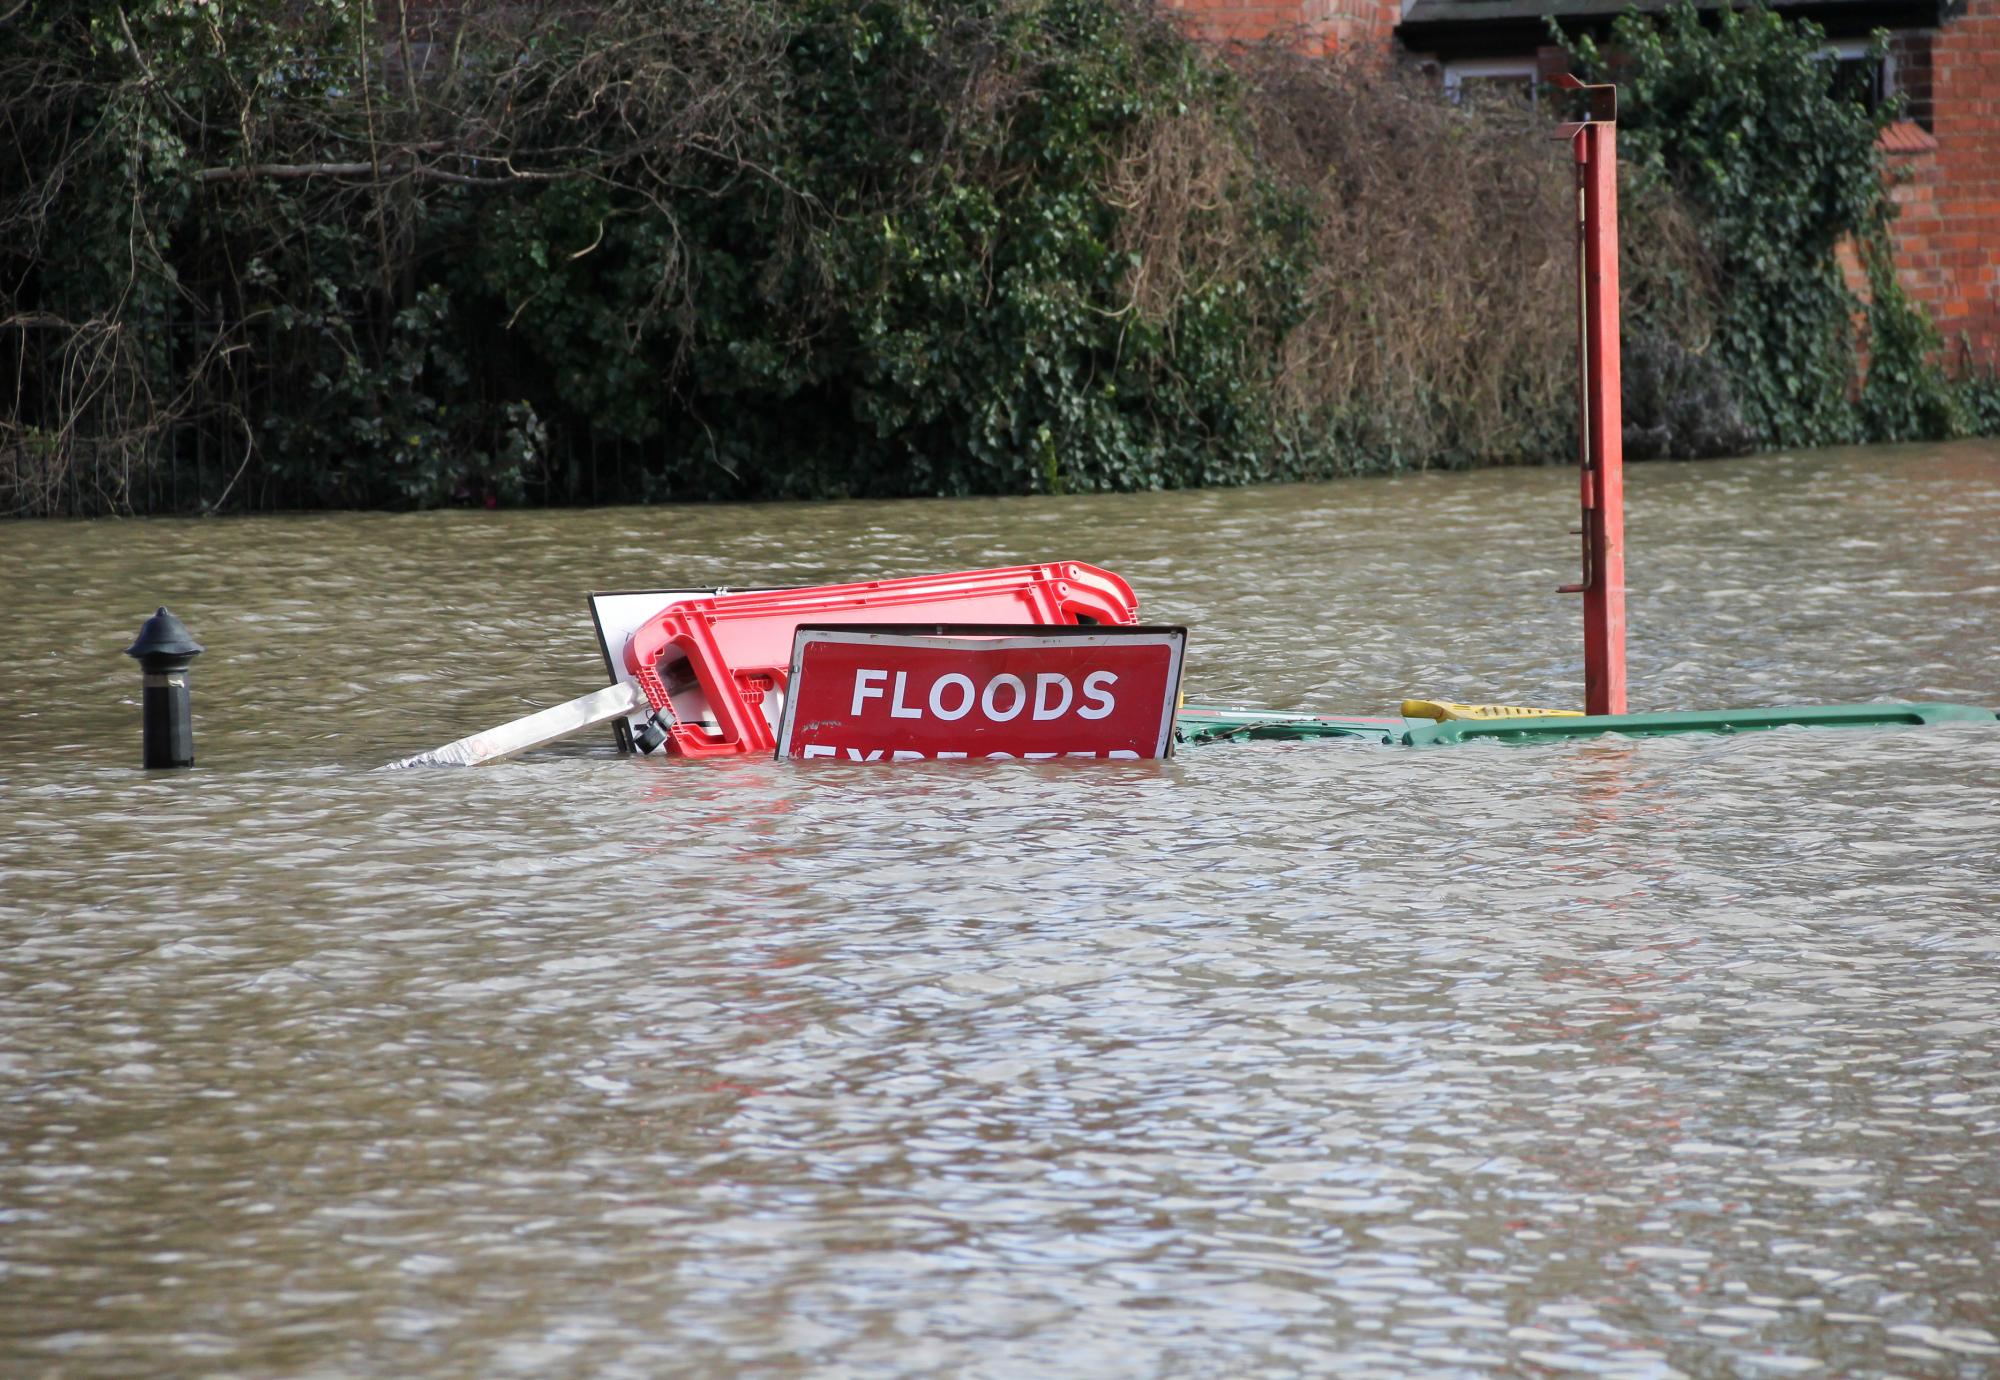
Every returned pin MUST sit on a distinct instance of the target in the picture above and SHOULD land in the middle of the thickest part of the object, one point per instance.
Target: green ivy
(1741, 111)
(963, 328)
(783, 248)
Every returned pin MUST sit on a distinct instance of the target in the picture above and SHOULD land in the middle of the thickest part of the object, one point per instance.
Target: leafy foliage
(1978, 398)
(1905, 396)
(537, 251)
(1747, 121)
(234, 239)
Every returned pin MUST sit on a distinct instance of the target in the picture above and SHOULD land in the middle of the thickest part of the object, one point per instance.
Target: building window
(1491, 77)
(1857, 76)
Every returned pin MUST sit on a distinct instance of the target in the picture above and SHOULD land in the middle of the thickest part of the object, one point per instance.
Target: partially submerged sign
(715, 668)
(902, 692)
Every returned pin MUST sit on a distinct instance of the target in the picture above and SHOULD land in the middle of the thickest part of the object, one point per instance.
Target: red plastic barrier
(739, 646)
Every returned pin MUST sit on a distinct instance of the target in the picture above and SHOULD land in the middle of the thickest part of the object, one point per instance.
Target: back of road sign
(913, 692)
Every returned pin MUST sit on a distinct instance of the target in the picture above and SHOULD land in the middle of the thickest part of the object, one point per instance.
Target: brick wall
(1948, 237)
(1914, 182)
(1910, 52)
(1322, 26)
(1240, 21)
(1944, 175)
(1366, 25)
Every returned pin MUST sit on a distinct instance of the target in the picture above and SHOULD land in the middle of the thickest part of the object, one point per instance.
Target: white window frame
(1854, 49)
(1481, 69)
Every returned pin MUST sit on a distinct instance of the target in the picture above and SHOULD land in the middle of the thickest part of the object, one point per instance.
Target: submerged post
(165, 650)
(1600, 419)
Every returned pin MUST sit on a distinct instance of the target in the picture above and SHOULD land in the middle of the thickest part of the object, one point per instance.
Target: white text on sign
(953, 695)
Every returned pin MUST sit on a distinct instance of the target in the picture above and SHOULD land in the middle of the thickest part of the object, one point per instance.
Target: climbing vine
(1743, 114)
(536, 251)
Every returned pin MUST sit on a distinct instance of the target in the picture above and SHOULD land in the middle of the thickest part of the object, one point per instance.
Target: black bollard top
(164, 635)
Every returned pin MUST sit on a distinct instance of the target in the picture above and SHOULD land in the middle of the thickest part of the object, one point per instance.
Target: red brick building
(1944, 59)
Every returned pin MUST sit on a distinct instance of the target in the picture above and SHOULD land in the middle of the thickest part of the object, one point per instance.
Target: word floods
(904, 692)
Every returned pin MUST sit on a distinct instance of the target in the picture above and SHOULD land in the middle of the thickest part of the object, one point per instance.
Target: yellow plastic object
(1442, 710)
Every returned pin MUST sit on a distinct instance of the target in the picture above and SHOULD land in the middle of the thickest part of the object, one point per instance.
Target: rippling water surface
(1636, 1058)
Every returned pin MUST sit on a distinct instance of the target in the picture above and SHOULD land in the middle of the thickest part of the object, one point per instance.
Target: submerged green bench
(1209, 724)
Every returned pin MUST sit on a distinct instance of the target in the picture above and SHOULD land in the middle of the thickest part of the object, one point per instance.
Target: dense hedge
(1744, 116)
(257, 256)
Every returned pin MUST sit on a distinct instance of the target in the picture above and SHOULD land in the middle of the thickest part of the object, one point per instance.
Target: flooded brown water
(1668, 1057)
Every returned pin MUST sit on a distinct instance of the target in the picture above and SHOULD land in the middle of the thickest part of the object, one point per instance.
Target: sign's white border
(617, 615)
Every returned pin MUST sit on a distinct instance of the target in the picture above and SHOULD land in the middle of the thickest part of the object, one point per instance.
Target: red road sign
(926, 691)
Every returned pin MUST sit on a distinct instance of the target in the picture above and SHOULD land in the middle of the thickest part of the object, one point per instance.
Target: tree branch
(425, 172)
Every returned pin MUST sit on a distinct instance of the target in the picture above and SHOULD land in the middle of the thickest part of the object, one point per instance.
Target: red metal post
(1601, 454)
